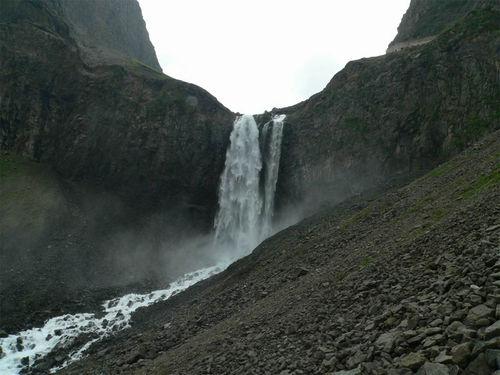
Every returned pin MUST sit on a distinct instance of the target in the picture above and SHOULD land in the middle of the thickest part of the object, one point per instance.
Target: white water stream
(240, 201)
(63, 330)
(244, 219)
(272, 135)
(246, 206)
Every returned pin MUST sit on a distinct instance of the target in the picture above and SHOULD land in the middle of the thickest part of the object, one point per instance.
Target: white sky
(254, 55)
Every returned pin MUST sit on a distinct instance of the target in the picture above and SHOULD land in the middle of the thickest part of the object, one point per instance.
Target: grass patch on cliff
(11, 165)
(357, 217)
(474, 129)
(366, 261)
(483, 183)
(442, 169)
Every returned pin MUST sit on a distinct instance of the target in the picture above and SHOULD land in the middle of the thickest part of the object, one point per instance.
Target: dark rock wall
(394, 116)
(427, 18)
(110, 29)
(126, 127)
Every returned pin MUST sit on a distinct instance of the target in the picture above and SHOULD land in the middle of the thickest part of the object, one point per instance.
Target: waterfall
(272, 133)
(240, 202)
(246, 205)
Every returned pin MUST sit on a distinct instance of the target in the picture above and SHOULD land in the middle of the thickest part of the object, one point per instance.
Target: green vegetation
(475, 128)
(141, 68)
(438, 214)
(483, 183)
(442, 169)
(439, 14)
(357, 217)
(365, 262)
(11, 165)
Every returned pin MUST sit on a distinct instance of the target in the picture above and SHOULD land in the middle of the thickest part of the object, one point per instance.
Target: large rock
(413, 361)
(479, 366)
(493, 330)
(461, 353)
(386, 341)
(433, 369)
(478, 314)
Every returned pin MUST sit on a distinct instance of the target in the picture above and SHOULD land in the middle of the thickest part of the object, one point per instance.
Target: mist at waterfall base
(244, 219)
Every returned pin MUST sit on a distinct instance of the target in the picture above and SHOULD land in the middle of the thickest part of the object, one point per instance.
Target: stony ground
(409, 282)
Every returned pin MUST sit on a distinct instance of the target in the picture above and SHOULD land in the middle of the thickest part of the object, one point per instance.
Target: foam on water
(248, 186)
(272, 135)
(244, 219)
(240, 203)
(62, 331)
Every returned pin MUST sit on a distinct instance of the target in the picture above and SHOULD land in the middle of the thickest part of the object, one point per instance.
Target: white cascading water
(245, 211)
(272, 135)
(240, 202)
(243, 221)
(63, 330)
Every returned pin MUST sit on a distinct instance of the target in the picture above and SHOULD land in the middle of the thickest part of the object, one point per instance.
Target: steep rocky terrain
(126, 126)
(106, 164)
(409, 281)
(394, 116)
(129, 153)
(111, 29)
(425, 19)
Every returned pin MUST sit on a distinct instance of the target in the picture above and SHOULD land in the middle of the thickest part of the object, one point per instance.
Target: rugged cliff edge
(425, 19)
(125, 126)
(126, 149)
(394, 116)
(110, 30)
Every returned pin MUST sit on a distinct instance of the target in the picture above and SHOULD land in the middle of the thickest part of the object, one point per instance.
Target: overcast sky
(254, 55)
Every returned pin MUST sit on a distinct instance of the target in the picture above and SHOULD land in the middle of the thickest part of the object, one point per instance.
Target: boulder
(413, 361)
(386, 341)
(493, 330)
(461, 353)
(356, 371)
(433, 369)
(478, 314)
(479, 366)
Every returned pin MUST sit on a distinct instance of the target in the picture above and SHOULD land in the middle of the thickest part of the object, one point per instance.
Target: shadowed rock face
(124, 126)
(152, 148)
(428, 18)
(393, 116)
(110, 30)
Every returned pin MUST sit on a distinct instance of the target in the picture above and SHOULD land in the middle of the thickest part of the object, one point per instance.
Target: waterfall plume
(272, 133)
(246, 205)
(240, 202)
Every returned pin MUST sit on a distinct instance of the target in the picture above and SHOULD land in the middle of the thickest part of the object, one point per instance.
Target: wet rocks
(412, 361)
(433, 369)
(493, 330)
(460, 354)
(479, 315)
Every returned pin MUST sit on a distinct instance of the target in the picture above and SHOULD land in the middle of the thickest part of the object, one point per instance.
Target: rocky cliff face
(124, 126)
(110, 30)
(394, 116)
(426, 19)
(131, 161)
